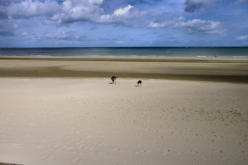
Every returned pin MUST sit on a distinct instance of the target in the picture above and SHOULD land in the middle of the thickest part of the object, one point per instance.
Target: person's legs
(113, 78)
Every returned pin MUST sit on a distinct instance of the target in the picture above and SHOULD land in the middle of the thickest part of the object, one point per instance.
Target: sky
(118, 23)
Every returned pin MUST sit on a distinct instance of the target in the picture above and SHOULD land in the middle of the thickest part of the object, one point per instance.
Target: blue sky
(74, 23)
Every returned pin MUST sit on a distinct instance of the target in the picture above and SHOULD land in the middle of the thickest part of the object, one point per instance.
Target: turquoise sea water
(130, 51)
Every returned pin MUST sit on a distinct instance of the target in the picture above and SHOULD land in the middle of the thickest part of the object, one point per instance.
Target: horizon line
(124, 47)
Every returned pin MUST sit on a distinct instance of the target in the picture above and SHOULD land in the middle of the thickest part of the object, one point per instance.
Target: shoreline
(131, 58)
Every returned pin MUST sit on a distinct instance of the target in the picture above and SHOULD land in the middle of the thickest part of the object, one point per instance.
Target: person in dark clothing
(139, 83)
(113, 79)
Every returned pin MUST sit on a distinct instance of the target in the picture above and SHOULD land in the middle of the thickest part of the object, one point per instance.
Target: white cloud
(117, 15)
(95, 1)
(29, 8)
(200, 26)
(127, 15)
(122, 11)
(191, 26)
(241, 38)
(67, 12)
(90, 10)
(169, 23)
(70, 11)
(157, 25)
(77, 10)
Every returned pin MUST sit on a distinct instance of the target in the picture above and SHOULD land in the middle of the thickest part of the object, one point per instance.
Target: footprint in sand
(144, 151)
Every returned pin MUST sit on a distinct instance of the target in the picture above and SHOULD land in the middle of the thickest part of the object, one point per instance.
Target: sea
(227, 52)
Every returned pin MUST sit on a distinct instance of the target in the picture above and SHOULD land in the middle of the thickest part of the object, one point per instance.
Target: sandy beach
(123, 82)
(200, 69)
(61, 120)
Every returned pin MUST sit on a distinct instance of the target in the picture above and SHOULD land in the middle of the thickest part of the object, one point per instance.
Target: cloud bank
(142, 22)
(69, 11)
(29, 8)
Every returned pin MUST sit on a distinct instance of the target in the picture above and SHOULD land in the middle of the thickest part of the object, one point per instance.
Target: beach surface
(60, 121)
(60, 111)
(200, 69)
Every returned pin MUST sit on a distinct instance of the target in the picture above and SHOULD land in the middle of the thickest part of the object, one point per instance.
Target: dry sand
(75, 121)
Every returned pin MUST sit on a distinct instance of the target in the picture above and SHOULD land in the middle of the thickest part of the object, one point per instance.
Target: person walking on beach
(113, 79)
(139, 83)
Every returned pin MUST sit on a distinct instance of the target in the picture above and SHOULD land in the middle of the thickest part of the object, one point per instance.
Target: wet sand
(157, 68)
